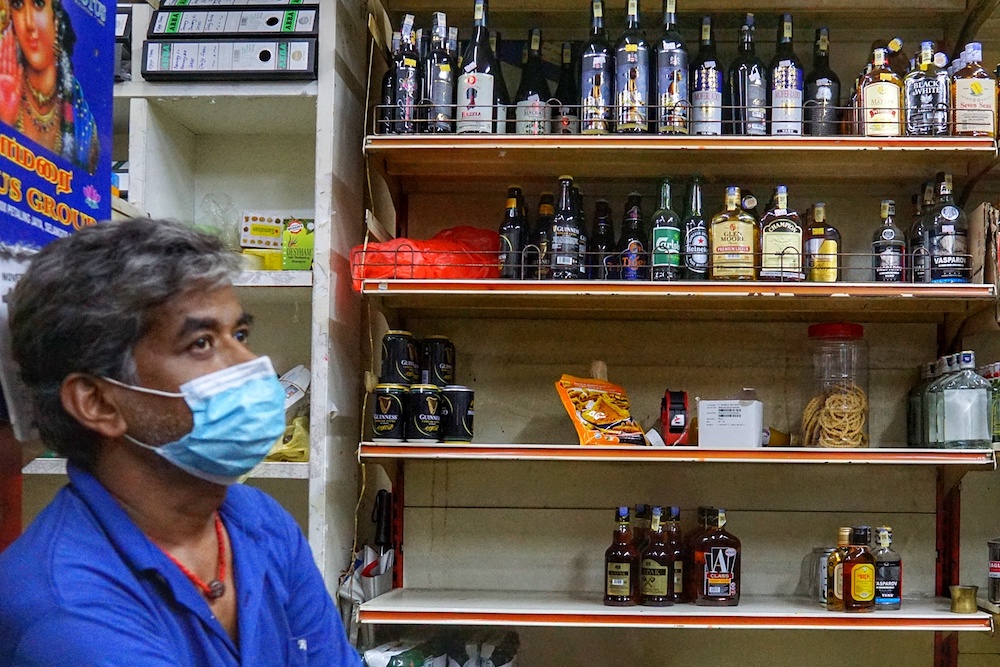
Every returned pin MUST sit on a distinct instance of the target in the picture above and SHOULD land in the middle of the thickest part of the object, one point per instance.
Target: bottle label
(532, 116)
(926, 104)
(880, 109)
(565, 246)
(781, 247)
(995, 569)
(995, 415)
(863, 582)
(679, 577)
(820, 108)
(706, 100)
(975, 106)
(596, 96)
(653, 580)
(733, 254)
(821, 255)
(632, 86)
(633, 261)
(920, 261)
(965, 415)
(442, 95)
(475, 103)
(672, 91)
(838, 581)
(696, 251)
(720, 572)
(888, 583)
(889, 266)
(407, 90)
(949, 254)
(786, 99)
(666, 250)
(756, 110)
(566, 121)
(619, 583)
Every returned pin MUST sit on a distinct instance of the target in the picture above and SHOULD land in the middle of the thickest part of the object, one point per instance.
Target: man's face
(193, 334)
(35, 27)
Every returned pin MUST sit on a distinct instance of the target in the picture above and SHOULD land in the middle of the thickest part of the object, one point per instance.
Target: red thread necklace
(216, 588)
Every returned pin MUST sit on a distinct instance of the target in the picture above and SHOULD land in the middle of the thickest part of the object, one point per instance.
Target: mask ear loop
(144, 390)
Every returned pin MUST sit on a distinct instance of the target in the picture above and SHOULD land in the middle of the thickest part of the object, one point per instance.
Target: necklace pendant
(216, 589)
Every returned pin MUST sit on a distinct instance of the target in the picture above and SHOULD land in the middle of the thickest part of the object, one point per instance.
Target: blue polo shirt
(83, 587)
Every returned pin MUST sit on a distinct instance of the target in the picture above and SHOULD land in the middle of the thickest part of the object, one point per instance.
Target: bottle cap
(861, 535)
(967, 360)
(622, 512)
(837, 331)
(565, 178)
(657, 511)
(675, 513)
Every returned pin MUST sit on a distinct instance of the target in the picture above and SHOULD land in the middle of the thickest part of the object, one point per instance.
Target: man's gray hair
(84, 303)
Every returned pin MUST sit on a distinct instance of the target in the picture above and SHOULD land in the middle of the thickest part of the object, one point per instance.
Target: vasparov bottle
(717, 561)
(888, 572)
(621, 565)
(835, 571)
(859, 572)
(656, 565)
(734, 241)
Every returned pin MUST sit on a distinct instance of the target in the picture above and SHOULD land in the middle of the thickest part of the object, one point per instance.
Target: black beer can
(437, 361)
(459, 410)
(423, 410)
(400, 358)
(389, 415)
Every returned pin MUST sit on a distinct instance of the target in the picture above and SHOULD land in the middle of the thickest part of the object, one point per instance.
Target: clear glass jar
(836, 390)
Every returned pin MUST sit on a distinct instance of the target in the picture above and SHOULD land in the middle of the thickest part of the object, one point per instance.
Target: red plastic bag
(453, 254)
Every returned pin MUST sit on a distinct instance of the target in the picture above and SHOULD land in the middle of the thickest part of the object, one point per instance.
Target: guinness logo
(384, 404)
(432, 404)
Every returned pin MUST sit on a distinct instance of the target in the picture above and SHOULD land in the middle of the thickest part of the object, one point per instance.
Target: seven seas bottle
(632, 75)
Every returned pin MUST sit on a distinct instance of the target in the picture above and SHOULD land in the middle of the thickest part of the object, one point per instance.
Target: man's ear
(92, 403)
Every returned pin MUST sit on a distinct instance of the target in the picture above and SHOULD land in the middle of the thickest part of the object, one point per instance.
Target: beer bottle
(512, 237)
(656, 566)
(601, 263)
(565, 241)
(536, 266)
(859, 572)
(695, 234)
(632, 245)
(717, 560)
(665, 238)
(532, 99)
(678, 555)
(581, 223)
(621, 565)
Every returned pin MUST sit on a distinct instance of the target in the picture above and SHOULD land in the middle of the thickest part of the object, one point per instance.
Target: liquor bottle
(566, 115)
(781, 240)
(945, 368)
(948, 237)
(621, 565)
(678, 554)
(734, 240)
(888, 248)
(695, 234)
(717, 560)
(482, 95)
(672, 94)
(632, 75)
(601, 263)
(512, 237)
(926, 95)
(895, 57)
(387, 107)
(747, 98)
(692, 577)
(406, 94)
(656, 566)
(536, 265)
(785, 85)
(503, 111)
(888, 572)
(632, 258)
(915, 420)
(706, 85)
(879, 100)
(859, 572)
(916, 239)
(822, 247)
(748, 202)
(965, 400)
(640, 527)
(452, 46)
(835, 571)
(532, 113)
(974, 96)
(439, 80)
(565, 243)
(665, 238)
(597, 72)
(581, 223)
(822, 102)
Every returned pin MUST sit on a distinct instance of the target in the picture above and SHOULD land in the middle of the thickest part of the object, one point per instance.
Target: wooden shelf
(510, 608)
(623, 158)
(867, 302)
(266, 470)
(983, 459)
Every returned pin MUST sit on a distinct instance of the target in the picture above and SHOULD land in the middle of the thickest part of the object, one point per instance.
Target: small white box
(730, 424)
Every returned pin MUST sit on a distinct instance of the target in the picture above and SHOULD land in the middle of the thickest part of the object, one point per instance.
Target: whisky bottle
(640, 527)
(632, 256)
(665, 238)
(888, 572)
(781, 240)
(439, 80)
(482, 99)
(597, 72)
(822, 101)
(601, 264)
(927, 89)
(672, 94)
(734, 240)
(706, 85)
(880, 100)
(948, 237)
(859, 572)
(717, 560)
(656, 566)
(822, 248)
(632, 75)
(888, 248)
(692, 576)
(695, 234)
(974, 96)
(785, 89)
(747, 90)
(835, 571)
(406, 95)
(531, 113)
(512, 236)
(566, 115)
(564, 244)
(621, 565)
(678, 556)
(917, 239)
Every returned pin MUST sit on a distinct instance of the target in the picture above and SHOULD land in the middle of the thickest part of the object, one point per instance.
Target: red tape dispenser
(674, 417)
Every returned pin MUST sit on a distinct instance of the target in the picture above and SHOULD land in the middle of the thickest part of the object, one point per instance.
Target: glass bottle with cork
(621, 565)
(717, 562)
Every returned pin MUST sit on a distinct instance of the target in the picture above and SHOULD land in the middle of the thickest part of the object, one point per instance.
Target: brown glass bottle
(717, 560)
(640, 527)
(678, 556)
(621, 565)
(859, 572)
(835, 571)
(656, 566)
(690, 572)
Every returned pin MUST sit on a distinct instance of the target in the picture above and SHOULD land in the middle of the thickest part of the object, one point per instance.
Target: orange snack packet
(600, 412)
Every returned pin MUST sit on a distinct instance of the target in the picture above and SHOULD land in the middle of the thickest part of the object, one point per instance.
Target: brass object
(963, 599)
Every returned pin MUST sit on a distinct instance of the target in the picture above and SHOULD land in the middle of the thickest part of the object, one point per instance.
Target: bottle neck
(669, 15)
(567, 202)
(785, 35)
(746, 40)
(694, 200)
(597, 18)
(479, 15)
(633, 15)
(665, 195)
(821, 52)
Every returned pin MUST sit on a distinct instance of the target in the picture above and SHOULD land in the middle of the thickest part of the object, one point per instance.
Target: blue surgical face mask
(239, 413)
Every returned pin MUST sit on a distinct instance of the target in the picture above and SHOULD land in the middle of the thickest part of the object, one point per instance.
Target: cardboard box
(730, 424)
(298, 244)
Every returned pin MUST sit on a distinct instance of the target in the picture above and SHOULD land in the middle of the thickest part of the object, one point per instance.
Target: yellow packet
(600, 412)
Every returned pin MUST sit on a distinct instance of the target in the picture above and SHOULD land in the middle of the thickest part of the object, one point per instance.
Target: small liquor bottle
(822, 248)
(678, 556)
(717, 560)
(888, 572)
(656, 566)
(835, 571)
(880, 100)
(859, 572)
(734, 241)
(621, 565)
(888, 248)
(781, 240)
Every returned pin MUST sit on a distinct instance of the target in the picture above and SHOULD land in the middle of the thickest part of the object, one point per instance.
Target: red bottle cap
(837, 330)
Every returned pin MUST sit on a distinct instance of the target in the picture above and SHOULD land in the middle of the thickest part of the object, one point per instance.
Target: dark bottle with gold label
(859, 572)
(717, 560)
(656, 566)
(621, 565)
(678, 556)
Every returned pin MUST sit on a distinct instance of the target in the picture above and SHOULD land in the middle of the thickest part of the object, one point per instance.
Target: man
(134, 346)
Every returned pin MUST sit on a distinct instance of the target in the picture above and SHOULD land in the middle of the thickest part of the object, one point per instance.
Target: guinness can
(389, 415)
(423, 409)
(459, 410)
(400, 358)
(437, 361)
